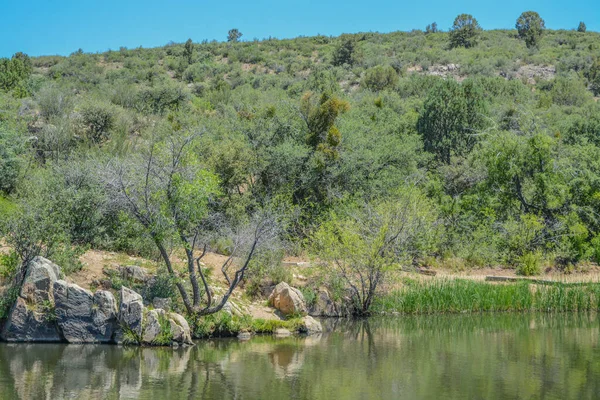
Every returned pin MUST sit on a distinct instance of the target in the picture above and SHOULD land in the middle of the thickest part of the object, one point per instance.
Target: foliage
(530, 27)
(380, 78)
(234, 35)
(451, 117)
(362, 243)
(345, 51)
(464, 31)
(581, 27)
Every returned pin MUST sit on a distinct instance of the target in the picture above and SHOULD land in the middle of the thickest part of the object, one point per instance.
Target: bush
(99, 119)
(530, 264)
(380, 78)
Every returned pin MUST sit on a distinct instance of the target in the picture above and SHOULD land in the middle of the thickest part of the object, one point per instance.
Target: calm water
(501, 356)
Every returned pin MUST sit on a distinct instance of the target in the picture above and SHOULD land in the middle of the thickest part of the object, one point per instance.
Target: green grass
(461, 295)
(222, 324)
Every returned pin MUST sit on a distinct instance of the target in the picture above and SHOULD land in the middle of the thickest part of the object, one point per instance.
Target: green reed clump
(463, 295)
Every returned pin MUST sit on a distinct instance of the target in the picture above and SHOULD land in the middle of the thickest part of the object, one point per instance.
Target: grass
(223, 324)
(461, 295)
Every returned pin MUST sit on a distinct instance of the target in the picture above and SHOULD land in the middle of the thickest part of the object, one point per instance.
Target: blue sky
(42, 27)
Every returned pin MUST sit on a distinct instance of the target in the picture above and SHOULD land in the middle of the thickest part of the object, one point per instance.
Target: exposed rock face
(135, 274)
(52, 310)
(32, 316)
(324, 306)
(131, 310)
(310, 326)
(162, 303)
(287, 300)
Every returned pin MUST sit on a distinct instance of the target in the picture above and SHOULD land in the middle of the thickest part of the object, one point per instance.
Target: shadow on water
(466, 356)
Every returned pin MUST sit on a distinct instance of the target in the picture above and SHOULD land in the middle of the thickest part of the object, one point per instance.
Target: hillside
(385, 151)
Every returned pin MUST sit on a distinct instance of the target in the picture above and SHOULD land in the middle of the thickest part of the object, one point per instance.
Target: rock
(32, 317)
(282, 332)
(28, 323)
(180, 329)
(324, 306)
(104, 315)
(39, 280)
(287, 300)
(310, 326)
(244, 336)
(131, 310)
(164, 303)
(153, 327)
(135, 274)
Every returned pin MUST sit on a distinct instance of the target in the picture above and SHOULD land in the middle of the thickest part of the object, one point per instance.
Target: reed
(469, 296)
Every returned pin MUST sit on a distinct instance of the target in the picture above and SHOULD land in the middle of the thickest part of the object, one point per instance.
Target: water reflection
(451, 357)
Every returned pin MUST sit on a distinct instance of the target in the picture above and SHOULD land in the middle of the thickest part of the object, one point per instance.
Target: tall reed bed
(463, 295)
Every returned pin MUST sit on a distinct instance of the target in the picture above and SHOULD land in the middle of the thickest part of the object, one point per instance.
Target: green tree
(593, 76)
(451, 117)
(581, 28)
(530, 27)
(234, 35)
(431, 28)
(464, 31)
(363, 242)
(188, 51)
(344, 52)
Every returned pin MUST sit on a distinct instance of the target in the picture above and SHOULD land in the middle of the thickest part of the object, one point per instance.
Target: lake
(491, 356)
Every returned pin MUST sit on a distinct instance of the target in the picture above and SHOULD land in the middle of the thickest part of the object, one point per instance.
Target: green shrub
(99, 119)
(530, 264)
(380, 78)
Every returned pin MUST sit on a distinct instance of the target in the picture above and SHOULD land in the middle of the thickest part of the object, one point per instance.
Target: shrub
(99, 119)
(380, 78)
(530, 264)
(464, 31)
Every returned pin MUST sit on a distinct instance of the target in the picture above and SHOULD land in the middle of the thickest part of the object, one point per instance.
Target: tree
(452, 114)
(593, 76)
(188, 51)
(344, 52)
(581, 28)
(530, 27)
(431, 28)
(234, 35)
(464, 31)
(361, 243)
(168, 193)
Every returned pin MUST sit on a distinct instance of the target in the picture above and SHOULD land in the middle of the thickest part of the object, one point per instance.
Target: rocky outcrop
(131, 310)
(310, 326)
(287, 300)
(52, 310)
(324, 306)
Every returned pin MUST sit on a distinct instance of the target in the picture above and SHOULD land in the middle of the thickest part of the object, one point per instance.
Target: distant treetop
(234, 35)
(464, 31)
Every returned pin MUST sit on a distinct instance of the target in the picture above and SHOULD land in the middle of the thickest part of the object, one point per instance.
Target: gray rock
(180, 329)
(163, 303)
(244, 336)
(153, 327)
(135, 274)
(39, 280)
(287, 300)
(282, 332)
(310, 326)
(74, 312)
(131, 310)
(324, 306)
(104, 315)
(29, 323)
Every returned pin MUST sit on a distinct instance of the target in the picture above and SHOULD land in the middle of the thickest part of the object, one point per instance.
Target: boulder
(131, 310)
(39, 280)
(310, 326)
(136, 274)
(287, 300)
(282, 332)
(32, 317)
(74, 312)
(180, 329)
(30, 323)
(153, 327)
(164, 303)
(324, 306)
(104, 315)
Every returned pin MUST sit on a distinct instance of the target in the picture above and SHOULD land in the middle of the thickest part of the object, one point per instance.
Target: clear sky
(42, 27)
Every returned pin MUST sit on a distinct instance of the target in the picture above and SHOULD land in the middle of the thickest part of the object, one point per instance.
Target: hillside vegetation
(371, 152)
